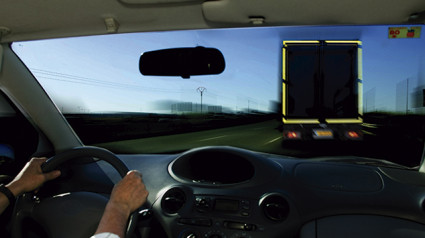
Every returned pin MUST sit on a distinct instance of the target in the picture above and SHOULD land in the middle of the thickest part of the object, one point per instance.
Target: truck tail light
(292, 135)
(353, 134)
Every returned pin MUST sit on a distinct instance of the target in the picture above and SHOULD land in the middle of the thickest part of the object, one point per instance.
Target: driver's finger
(38, 160)
(52, 175)
(134, 172)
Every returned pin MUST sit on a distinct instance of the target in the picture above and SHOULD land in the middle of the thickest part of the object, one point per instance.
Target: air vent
(173, 200)
(275, 207)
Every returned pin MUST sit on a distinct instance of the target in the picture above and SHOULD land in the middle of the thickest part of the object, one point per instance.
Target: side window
(18, 139)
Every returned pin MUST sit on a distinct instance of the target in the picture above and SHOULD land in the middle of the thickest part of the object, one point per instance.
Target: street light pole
(201, 90)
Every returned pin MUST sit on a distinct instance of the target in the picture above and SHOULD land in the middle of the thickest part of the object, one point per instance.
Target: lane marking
(213, 138)
(370, 125)
(271, 141)
(368, 133)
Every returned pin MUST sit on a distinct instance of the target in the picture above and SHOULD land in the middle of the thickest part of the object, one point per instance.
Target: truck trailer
(322, 90)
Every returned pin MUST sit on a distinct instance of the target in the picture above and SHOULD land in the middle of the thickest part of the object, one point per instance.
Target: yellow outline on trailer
(283, 99)
(360, 79)
(344, 42)
(359, 84)
(300, 42)
(335, 121)
(301, 121)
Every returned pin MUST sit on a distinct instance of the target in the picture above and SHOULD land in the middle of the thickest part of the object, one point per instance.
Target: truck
(322, 90)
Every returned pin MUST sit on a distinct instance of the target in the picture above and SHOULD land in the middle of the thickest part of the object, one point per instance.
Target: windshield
(273, 95)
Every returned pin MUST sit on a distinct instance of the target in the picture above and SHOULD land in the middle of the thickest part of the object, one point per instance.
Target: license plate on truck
(323, 134)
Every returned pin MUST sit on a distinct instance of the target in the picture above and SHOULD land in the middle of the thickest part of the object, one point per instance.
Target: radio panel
(214, 204)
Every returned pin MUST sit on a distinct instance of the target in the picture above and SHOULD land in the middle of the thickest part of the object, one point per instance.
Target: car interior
(218, 185)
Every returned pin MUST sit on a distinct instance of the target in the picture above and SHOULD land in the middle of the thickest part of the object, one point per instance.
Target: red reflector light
(293, 135)
(353, 134)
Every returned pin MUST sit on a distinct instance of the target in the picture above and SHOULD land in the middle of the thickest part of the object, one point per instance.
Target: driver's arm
(30, 178)
(127, 196)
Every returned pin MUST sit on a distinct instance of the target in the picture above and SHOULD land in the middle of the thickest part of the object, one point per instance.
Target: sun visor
(307, 12)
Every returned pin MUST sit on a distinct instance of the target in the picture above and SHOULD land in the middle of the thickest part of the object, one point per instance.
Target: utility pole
(201, 90)
(407, 96)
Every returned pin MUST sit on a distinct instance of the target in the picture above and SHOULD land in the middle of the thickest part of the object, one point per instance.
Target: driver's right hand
(130, 193)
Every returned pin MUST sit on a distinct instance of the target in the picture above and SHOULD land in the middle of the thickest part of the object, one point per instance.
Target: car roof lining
(307, 12)
(80, 18)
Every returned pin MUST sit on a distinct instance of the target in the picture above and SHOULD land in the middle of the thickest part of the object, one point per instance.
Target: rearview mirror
(184, 62)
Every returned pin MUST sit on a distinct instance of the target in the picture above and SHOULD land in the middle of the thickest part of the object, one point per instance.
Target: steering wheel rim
(32, 208)
(85, 151)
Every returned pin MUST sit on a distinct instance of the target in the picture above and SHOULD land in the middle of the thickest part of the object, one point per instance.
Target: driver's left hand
(31, 177)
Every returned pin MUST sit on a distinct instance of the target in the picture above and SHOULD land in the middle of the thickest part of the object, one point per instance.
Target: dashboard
(227, 192)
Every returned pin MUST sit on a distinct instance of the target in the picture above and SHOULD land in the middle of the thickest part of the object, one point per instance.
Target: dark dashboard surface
(231, 192)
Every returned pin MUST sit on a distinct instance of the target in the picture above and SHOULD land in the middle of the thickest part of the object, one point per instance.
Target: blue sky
(100, 73)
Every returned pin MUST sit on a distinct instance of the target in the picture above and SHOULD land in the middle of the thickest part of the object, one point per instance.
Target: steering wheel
(74, 214)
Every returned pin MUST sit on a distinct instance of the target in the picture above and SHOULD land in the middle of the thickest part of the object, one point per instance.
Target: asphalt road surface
(253, 136)
(379, 142)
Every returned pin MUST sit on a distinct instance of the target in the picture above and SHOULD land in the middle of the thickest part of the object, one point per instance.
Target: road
(264, 137)
(259, 136)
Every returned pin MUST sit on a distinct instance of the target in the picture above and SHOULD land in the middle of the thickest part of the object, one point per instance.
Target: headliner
(39, 19)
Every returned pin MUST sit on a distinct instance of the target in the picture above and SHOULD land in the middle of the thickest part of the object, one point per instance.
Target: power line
(51, 75)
